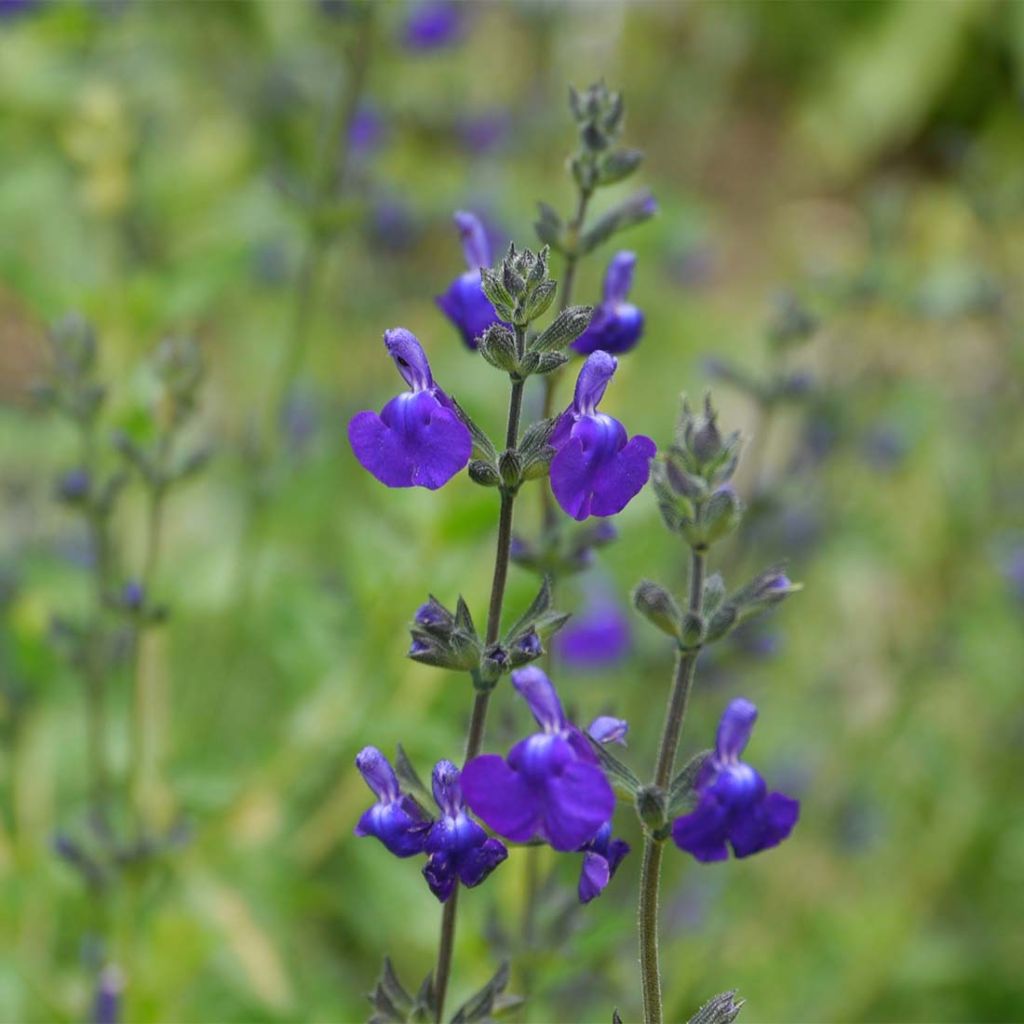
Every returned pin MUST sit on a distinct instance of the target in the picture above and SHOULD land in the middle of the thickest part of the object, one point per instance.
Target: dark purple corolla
(597, 470)
(459, 849)
(464, 303)
(601, 857)
(550, 787)
(395, 819)
(418, 439)
(734, 805)
(434, 24)
(617, 324)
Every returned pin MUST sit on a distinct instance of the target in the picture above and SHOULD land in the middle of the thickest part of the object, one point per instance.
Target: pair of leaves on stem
(392, 1003)
(720, 1009)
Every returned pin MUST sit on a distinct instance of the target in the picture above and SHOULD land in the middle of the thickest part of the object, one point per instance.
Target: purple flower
(734, 804)
(595, 637)
(617, 324)
(606, 729)
(106, 1007)
(464, 303)
(596, 471)
(550, 786)
(418, 439)
(434, 24)
(366, 131)
(133, 596)
(395, 819)
(484, 132)
(601, 856)
(74, 486)
(459, 849)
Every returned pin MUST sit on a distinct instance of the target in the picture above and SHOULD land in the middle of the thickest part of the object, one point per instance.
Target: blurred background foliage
(169, 169)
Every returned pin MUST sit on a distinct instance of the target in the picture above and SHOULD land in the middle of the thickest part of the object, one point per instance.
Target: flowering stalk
(727, 799)
(478, 718)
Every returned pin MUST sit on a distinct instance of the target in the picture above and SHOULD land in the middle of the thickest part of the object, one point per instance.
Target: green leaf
(680, 791)
(620, 775)
(483, 448)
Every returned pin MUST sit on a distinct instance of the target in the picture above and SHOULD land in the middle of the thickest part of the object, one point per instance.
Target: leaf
(408, 775)
(540, 604)
(390, 1000)
(680, 791)
(620, 775)
(482, 1005)
(722, 1009)
(483, 448)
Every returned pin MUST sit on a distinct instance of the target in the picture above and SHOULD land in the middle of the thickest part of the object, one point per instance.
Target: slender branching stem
(650, 869)
(478, 718)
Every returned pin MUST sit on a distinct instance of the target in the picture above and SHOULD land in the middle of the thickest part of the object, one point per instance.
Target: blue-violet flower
(550, 786)
(616, 325)
(601, 856)
(464, 303)
(459, 849)
(596, 470)
(418, 439)
(733, 803)
(395, 819)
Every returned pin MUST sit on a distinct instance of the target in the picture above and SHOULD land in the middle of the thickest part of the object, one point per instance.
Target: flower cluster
(457, 848)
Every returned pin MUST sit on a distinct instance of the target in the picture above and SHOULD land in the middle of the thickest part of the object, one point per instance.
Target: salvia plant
(560, 784)
(117, 841)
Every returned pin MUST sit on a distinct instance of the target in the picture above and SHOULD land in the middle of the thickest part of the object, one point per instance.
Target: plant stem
(650, 870)
(478, 719)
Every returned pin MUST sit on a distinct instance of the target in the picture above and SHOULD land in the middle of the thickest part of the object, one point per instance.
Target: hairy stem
(650, 870)
(478, 719)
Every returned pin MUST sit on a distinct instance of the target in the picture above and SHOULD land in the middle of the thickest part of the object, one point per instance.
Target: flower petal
(378, 774)
(538, 691)
(475, 246)
(577, 802)
(703, 832)
(594, 876)
(765, 825)
(498, 796)
(477, 863)
(606, 729)
(618, 278)
(404, 348)
(619, 480)
(734, 729)
(439, 871)
(595, 375)
(467, 306)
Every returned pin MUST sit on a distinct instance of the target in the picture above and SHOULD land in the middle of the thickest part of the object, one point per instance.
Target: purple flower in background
(106, 1007)
(464, 303)
(459, 849)
(9, 8)
(434, 24)
(601, 857)
(395, 819)
(418, 439)
(733, 803)
(596, 636)
(617, 324)
(391, 224)
(366, 131)
(484, 132)
(606, 729)
(550, 786)
(596, 470)
(74, 486)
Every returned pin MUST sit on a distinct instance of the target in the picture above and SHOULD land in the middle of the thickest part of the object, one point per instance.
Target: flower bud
(510, 466)
(722, 515)
(494, 663)
(650, 805)
(691, 633)
(658, 606)
(498, 347)
(484, 473)
(525, 648)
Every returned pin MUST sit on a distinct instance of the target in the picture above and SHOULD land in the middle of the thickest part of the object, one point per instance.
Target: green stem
(650, 870)
(478, 718)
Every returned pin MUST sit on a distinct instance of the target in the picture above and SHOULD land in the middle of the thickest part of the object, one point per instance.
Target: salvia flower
(597, 470)
(617, 324)
(734, 805)
(434, 24)
(395, 819)
(458, 849)
(597, 636)
(606, 729)
(550, 786)
(464, 303)
(418, 439)
(601, 857)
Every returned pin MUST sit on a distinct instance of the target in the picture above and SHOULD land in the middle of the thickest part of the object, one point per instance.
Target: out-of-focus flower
(617, 324)
(596, 636)
(601, 857)
(464, 302)
(367, 131)
(484, 132)
(395, 819)
(550, 786)
(734, 805)
(597, 470)
(458, 849)
(418, 439)
(434, 25)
